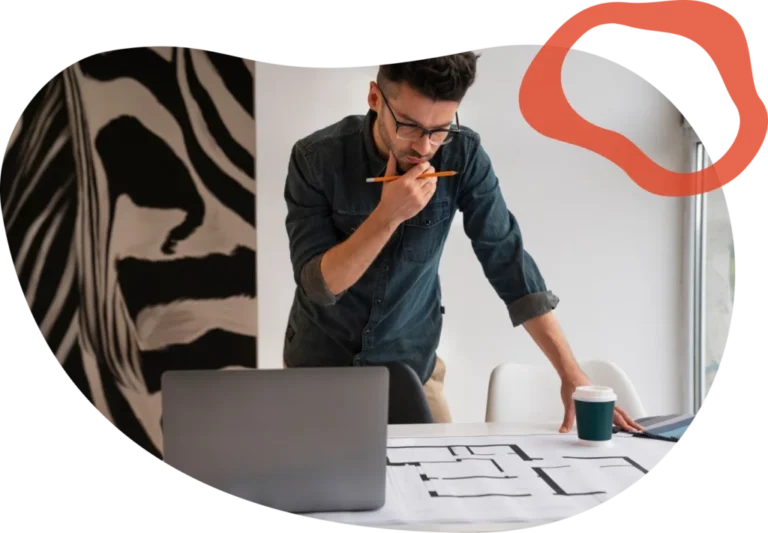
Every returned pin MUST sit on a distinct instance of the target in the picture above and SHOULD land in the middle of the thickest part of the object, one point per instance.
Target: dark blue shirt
(395, 311)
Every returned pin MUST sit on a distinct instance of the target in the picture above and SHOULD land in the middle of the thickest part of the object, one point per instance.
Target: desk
(472, 430)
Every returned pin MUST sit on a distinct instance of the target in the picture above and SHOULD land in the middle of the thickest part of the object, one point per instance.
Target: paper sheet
(503, 478)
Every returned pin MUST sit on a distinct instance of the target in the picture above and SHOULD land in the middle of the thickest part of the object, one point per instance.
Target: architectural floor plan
(504, 479)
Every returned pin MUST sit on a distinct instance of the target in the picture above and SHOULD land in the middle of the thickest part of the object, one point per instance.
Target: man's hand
(620, 417)
(344, 264)
(406, 196)
(548, 335)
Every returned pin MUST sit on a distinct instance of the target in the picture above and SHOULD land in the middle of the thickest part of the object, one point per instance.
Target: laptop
(300, 440)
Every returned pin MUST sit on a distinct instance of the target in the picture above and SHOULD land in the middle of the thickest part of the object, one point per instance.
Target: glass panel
(719, 281)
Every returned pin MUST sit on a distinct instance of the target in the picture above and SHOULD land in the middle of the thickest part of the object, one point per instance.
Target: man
(366, 255)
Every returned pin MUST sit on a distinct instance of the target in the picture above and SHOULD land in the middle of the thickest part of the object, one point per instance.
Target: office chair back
(407, 400)
(610, 374)
(520, 393)
(524, 394)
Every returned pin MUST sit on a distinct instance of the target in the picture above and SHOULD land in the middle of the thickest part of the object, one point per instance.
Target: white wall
(611, 251)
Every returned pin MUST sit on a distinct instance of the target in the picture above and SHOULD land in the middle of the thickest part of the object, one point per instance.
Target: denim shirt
(395, 310)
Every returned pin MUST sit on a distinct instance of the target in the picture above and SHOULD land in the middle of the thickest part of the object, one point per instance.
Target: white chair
(524, 394)
(611, 375)
(530, 394)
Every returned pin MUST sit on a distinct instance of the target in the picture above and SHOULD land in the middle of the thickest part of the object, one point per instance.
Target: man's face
(411, 108)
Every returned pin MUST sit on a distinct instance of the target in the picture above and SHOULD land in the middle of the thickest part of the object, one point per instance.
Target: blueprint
(503, 478)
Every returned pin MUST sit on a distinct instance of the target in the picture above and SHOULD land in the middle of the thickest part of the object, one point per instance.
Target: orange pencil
(442, 174)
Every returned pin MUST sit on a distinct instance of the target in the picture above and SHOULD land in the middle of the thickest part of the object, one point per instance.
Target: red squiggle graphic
(545, 107)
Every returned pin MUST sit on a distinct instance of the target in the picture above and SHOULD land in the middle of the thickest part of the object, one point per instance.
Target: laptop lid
(299, 440)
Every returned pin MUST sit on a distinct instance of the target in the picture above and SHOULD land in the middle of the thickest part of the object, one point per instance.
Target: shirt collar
(376, 164)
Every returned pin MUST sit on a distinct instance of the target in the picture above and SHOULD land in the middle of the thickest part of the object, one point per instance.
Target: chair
(530, 394)
(407, 400)
(523, 394)
(611, 375)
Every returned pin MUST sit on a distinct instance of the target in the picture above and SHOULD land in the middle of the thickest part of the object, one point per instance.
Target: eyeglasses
(412, 132)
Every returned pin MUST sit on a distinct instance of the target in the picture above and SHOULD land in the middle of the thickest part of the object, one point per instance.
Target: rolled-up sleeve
(497, 241)
(310, 227)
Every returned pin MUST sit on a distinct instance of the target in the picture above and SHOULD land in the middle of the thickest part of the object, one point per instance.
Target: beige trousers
(433, 389)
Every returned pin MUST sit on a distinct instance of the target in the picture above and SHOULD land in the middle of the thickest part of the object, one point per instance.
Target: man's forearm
(344, 264)
(547, 334)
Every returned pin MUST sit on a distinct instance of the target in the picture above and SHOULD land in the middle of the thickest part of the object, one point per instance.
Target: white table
(470, 430)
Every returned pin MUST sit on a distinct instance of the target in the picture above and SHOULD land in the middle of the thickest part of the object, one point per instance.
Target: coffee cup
(594, 414)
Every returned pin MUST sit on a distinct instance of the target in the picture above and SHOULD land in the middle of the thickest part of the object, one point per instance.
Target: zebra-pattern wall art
(128, 196)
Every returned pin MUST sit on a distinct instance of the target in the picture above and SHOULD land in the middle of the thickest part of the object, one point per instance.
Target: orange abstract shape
(546, 109)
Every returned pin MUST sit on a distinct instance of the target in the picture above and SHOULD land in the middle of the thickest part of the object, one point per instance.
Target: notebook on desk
(667, 426)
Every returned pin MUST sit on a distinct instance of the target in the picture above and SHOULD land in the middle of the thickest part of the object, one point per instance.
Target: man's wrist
(571, 373)
(382, 221)
(546, 332)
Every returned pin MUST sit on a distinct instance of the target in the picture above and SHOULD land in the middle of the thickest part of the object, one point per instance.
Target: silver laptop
(298, 440)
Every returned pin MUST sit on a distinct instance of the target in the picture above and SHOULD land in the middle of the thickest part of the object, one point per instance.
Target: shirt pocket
(347, 222)
(423, 235)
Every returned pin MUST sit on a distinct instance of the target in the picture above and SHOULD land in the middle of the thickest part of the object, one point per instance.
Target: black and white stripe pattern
(136, 250)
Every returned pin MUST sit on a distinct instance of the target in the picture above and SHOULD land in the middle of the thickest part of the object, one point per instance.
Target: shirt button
(378, 302)
(385, 267)
(367, 331)
(429, 222)
(356, 361)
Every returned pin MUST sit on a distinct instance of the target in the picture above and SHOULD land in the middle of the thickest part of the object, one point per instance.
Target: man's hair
(444, 78)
